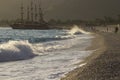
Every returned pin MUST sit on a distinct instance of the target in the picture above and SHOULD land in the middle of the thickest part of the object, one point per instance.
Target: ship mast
(28, 14)
(22, 13)
(31, 11)
(36, 12)
(41, 20)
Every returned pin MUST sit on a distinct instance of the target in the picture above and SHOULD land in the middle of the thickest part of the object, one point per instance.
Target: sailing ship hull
(31, 26)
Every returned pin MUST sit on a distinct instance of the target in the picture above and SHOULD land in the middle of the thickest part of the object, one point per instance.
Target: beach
(59, 54)
(104, 63)
(42, 54)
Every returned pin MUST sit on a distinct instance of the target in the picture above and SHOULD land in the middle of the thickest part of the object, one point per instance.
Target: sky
(64, 9)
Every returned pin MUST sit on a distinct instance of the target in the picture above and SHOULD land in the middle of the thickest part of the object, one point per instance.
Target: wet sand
(104, 63)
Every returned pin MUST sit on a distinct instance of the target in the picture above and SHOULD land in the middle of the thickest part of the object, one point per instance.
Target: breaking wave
(13, 50)
(21, 50)
(77, 30)
(54, 53)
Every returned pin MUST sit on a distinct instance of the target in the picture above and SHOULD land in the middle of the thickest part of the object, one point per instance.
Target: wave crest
(15, 50)
(76, 30)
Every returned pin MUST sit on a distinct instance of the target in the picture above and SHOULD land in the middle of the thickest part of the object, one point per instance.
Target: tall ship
(31, 17)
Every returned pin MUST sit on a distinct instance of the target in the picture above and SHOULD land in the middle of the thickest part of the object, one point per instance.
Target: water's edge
(97, 49)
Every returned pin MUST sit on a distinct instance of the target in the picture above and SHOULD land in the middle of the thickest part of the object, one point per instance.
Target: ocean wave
(33, 39)
(53, 59)
(5, 39)
(23, 49)
(15, 50)
(56, 38)
(76, 31)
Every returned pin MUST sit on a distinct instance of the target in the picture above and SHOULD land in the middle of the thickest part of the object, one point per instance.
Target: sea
(42, 54)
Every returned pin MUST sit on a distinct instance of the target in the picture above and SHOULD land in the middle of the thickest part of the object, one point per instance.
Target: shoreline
(98, 49)
(102, 64)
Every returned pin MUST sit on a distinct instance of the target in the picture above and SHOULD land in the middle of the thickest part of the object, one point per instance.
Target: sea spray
(23, 49)
(15, 50)
(77, 30)
(56, 56)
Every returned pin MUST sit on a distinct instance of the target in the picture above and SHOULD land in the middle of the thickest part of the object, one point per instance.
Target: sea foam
(54, 57)
(15, 50)
(76, 30)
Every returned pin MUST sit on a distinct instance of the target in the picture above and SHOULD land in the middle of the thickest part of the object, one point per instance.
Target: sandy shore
(104, 63)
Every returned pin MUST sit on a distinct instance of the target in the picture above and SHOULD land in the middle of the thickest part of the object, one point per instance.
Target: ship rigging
(34, 17)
